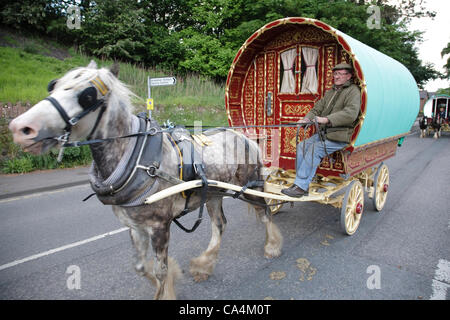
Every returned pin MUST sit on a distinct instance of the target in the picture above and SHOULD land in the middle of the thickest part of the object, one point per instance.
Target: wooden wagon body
(267, 85)
(278, 75)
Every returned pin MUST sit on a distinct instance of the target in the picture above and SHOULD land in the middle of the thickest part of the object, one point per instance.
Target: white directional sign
(169, 81)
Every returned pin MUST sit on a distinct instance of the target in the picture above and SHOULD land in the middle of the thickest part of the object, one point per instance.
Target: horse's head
(73, 107)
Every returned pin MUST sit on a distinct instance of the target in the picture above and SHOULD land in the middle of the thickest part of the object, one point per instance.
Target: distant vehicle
(436, 113)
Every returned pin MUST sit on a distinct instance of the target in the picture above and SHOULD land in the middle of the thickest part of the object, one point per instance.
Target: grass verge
(27, 69)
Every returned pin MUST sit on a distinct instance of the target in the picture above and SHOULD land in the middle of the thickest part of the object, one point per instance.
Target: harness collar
(131, 181)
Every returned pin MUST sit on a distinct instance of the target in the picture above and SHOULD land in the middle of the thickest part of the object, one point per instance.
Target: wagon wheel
(352, 207)
(276, 205)
(381, 186)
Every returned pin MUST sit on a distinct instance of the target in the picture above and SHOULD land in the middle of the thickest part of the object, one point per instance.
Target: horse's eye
(51, 85)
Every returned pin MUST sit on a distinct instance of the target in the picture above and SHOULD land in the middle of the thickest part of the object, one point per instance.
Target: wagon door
(277, 75)
(265, 66)
(288, 80)
(301, 84)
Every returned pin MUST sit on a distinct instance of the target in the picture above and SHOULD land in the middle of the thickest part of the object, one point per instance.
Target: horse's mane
(120, 94)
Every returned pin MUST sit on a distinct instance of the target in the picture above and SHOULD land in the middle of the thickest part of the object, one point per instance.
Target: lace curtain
(309, 83)
(288, 82)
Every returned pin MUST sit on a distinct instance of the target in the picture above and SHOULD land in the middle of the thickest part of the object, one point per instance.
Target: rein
(87, 99)
(155, 130)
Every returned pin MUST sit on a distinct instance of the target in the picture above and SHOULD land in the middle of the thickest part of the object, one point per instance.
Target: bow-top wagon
(436, 115)
(277, 76)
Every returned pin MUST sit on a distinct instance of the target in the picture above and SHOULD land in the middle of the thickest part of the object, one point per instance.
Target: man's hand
(322, 120)
(303, 121)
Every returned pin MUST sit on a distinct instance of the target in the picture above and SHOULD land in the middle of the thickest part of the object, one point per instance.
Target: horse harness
(135, 177)
(129, 184)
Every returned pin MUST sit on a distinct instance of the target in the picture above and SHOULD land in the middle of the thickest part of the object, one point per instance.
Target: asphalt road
(54, 246)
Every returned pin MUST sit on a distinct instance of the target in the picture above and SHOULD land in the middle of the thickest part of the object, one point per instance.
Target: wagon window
(309, 76)
(288, 78)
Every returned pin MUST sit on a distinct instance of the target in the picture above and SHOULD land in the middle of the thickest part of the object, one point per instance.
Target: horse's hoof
(140, 269)
(199, 277)
(272, 254)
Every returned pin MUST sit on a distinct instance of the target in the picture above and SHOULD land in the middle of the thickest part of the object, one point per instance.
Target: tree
(443, 91)
(131, 31)
(33, 15)
(204, 35)
(444, 52)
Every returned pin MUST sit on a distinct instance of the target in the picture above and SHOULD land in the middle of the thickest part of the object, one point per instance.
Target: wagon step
(223, 185)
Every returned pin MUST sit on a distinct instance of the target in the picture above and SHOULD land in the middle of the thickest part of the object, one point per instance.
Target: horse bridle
(87, 99)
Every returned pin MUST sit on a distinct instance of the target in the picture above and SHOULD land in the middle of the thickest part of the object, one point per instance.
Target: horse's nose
(22, 131)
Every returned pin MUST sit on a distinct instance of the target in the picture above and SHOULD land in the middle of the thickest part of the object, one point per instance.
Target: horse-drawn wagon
(436, 115)
(277, 76)
(275, 79)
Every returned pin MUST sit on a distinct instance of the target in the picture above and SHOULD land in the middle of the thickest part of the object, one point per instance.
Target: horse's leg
(139, 238)
(274, 239)
(162, 271)
(202, 266)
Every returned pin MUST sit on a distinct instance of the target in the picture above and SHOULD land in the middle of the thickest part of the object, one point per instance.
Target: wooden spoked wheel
(279, 179)
(276, 205)
(381, 186)
(352, 207)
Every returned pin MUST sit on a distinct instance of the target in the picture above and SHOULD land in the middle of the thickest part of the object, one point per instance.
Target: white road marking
(441, 281)
(68, 246)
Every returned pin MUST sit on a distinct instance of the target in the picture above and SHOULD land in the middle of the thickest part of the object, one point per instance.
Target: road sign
(156, 82)
(169, 81)
(149, 104)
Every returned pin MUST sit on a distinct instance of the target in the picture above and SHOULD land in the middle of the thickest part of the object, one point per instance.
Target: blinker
(87, 97)
(51, 85)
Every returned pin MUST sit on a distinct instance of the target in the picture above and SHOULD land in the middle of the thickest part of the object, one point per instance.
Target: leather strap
(61, 111)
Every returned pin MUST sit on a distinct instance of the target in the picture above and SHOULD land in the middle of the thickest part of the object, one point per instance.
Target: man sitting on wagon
(337, 114)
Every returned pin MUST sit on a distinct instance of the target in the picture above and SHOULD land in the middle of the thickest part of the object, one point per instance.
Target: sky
(436, 37)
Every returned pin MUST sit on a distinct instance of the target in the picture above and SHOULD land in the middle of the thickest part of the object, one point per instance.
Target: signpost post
(157, 82)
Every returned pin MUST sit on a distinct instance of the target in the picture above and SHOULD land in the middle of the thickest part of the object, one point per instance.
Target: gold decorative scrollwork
(289, 145)
(296, 109)
(304, 34)
(330, 56)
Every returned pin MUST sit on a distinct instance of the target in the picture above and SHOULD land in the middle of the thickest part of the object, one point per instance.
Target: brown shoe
(294, 191)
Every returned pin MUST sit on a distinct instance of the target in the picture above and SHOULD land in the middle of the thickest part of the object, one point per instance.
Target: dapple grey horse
(83, 116)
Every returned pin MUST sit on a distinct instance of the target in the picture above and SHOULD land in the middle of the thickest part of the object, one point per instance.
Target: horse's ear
(115, 69)
(92, 65)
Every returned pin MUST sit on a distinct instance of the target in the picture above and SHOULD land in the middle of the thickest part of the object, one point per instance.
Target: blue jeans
(308, 162)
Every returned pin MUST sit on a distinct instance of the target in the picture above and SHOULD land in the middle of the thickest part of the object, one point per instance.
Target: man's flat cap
(342, 66)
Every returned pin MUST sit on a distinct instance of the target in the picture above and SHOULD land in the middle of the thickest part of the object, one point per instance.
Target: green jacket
(341, 106)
